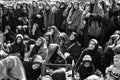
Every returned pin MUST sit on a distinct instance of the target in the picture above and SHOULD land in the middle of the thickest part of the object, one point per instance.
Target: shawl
(12, 68)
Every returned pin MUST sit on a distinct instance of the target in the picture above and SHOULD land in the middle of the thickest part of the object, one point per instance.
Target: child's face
(117, 60)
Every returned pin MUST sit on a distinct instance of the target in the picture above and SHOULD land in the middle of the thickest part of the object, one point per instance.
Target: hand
(38, 15)
(88, 15)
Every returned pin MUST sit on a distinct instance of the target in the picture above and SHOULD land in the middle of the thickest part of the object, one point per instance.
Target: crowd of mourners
(39, 39)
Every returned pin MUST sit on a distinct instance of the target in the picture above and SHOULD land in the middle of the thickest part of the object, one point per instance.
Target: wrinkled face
(72, 37)
(92, 1)
(87, 64)
(47, 7)
(91, 45)
(38, 42)
(117, 60)
(76, 5)
(19, 39)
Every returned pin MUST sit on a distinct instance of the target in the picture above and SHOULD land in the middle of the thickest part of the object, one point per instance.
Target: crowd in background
(86, 34)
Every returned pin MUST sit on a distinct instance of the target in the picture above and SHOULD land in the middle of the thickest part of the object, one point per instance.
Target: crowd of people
(84, 35)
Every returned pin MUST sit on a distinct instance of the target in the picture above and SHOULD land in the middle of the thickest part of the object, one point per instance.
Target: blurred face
(19, 39)
(54, 8)
(47, 7)
(87, 64)
(117, 60)
(92, 1)
(34, 4)
(18, 6)
(91, 45)
(34, 27)
(61, 41)
(38, 42)
(41, 6)
(58, 4)
(72, 37)
(76, 6)
(62, 6)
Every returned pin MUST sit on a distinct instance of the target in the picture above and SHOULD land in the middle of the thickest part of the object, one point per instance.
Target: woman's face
(117, 60)
(47, 38)
(52, 31)
(76, 6)
(47, 7)
(19, 39)
(61, 42)
(38, 42)
(34, 4)
(87, 64)
(18, 6)
(58, 4)
(91, 45)
(72, 37)
(34, 27)
(92, 1)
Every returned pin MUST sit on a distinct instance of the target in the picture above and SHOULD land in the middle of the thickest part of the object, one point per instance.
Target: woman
(9, 35)
(74, 19)
(73, 47)
(55, 56)
(92, 15)
(87, 68)
(37, 51)
(12, 69)
(113, 16)
(35, 32)
(59, 18)
(18, 47)
(63, 38)
(48, 16)
(54, 33)
(34, 10)
(94, 51)
(18, 15)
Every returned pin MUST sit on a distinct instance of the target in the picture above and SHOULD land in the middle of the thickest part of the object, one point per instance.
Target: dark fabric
(75, 50)
(96, 57)
(59, 75)
(85, 72)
